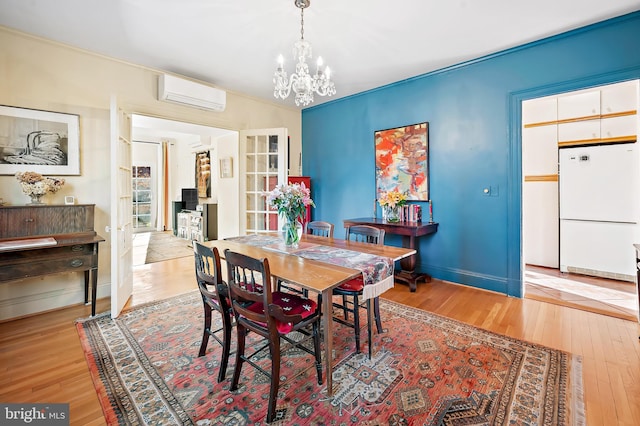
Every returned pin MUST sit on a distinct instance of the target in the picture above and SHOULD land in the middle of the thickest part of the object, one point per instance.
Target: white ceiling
(233, 44)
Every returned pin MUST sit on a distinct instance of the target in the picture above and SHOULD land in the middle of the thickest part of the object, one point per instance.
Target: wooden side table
(38, 240)
(410, 231)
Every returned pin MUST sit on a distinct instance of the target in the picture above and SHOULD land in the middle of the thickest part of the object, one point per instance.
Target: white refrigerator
(599, 210)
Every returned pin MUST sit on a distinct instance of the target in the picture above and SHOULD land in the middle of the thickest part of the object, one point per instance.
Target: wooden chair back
(365, 233)
(209, 272)
(320, 228)
(249, 282)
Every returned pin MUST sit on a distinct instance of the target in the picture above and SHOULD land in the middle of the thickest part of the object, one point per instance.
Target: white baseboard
(22, 298)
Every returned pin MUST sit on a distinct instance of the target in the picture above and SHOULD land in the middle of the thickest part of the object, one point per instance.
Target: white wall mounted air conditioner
(186, 92)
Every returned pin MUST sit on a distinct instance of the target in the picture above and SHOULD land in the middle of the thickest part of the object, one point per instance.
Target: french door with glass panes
(142, 195)
(263, 165)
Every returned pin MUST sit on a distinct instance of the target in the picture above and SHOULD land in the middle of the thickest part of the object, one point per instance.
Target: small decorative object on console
(35, 185)
(391, 202)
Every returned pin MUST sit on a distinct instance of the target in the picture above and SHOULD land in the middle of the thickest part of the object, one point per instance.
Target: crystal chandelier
(303, 84)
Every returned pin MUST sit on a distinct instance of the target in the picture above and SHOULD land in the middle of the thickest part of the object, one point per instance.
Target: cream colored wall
(40, 74)
(227, 188)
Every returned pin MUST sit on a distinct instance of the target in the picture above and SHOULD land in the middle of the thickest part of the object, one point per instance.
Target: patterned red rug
(427, 370)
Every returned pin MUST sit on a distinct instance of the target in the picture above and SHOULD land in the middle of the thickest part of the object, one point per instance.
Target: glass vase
(291, 233)
(36, 198)
(391, 214)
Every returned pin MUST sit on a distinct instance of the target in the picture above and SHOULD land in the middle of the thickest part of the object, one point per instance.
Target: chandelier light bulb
(303, 84)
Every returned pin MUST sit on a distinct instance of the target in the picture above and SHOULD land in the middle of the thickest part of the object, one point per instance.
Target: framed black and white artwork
(40, 141)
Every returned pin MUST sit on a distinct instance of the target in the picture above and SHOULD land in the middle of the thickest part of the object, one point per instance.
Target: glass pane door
(264, 155)
(141, 196)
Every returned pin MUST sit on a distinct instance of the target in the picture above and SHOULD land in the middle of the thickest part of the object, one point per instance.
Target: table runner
(377, 271)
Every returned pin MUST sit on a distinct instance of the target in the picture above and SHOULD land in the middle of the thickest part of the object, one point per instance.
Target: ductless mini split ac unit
(186, 92)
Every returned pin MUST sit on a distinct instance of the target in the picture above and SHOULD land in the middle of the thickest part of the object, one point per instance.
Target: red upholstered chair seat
(355, 284)
(291, 304)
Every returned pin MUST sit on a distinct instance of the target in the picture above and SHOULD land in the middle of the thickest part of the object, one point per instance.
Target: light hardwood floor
(41, 359)
(600, 295)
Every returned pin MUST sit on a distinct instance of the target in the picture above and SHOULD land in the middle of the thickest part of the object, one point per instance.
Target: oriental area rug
(426, 370)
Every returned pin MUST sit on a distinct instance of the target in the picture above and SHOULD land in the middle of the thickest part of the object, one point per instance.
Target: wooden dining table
(313, 275)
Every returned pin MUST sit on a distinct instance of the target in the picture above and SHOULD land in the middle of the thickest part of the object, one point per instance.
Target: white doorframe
(121, 217)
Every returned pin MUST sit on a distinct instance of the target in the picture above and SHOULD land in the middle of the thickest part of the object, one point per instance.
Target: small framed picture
(226, 167)
(69, 199)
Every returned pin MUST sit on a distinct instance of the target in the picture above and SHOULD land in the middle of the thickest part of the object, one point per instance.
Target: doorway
(544, 130)
(164, 151)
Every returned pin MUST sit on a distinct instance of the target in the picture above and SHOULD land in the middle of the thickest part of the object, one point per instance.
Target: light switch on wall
(491, 191)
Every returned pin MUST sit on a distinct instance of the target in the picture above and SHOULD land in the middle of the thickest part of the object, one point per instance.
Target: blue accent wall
(473, 110)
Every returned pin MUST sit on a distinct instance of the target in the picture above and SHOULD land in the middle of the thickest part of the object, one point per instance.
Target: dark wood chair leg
(369, 328)
(206, 331)
(226, 347)
(241, 333)
(344, 307)
(376, 311)
(316, 347)
(274, 348)
(356, 321)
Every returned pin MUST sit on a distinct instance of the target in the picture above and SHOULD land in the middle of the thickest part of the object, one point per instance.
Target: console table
(410, 231)
(40, 240)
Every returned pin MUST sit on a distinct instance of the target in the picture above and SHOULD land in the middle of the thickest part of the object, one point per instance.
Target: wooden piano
(38, 240)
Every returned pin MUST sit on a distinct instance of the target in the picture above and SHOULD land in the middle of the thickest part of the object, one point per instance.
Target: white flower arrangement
(35, 185)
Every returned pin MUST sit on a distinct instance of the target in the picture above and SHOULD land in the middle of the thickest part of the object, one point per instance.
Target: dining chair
(351, 291)
(270, 314)
(215, 296)
(320, 228)
(365, 234)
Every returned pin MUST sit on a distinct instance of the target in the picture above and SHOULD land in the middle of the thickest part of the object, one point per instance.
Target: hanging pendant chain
(302, 24)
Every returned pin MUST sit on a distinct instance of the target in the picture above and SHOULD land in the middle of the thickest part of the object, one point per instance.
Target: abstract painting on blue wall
(402, 161)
